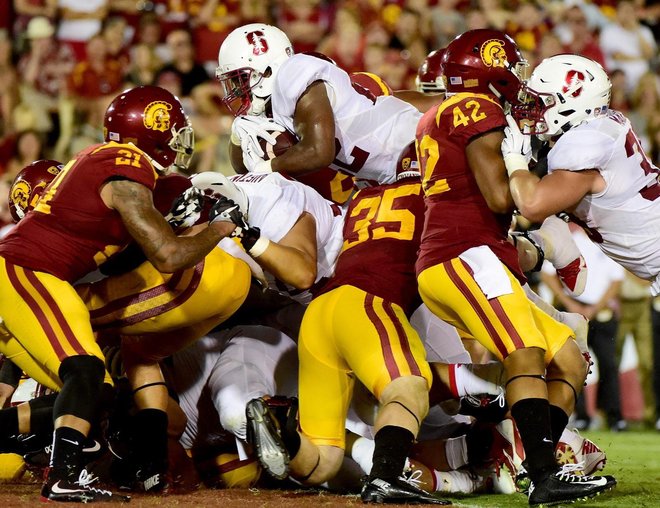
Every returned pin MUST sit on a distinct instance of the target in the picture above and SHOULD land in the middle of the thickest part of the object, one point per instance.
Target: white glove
(516, 147)
(247, 130)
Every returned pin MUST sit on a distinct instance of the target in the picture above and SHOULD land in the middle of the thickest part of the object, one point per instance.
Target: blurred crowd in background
(62, 61)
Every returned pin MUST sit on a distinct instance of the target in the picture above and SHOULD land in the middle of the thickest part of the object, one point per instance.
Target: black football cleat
(264, 436)
(79, 491)
(484, 407)
(151, 478)
(563, 487)
(399, 491)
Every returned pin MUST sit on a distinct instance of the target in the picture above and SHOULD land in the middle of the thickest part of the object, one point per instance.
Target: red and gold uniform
(468, 271)
(358, 322)
(70, 232)
(163, 312)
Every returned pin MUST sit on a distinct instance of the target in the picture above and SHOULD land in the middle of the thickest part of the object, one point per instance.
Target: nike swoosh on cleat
(92, 449)
(56, 489)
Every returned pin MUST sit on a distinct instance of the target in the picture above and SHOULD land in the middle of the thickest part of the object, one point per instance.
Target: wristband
(259, 247)
(515, 162)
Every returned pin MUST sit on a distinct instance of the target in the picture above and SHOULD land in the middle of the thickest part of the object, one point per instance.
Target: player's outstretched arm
(166, 251)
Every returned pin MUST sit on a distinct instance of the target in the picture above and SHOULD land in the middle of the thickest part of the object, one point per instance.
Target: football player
(173, 309)
(337, 125)
(356, 326)
(469, 274)
(597, 167)
(96, 205)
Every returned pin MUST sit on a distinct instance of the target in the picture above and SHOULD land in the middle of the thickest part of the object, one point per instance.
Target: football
(283, 141)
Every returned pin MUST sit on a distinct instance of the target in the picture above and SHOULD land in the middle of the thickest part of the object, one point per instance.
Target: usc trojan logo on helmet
(20, 193)
(493, 54)
(258, 41)
(156, 116)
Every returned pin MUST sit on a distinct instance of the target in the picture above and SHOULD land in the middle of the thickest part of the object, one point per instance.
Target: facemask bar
(236, 85)
(183, 143)
(532, 108)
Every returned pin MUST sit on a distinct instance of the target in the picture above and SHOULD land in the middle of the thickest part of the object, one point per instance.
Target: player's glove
(246, 131)
(225, 210)
(516, 147)
(186, 209)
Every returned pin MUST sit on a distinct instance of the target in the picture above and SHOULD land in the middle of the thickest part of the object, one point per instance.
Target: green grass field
(633, 458)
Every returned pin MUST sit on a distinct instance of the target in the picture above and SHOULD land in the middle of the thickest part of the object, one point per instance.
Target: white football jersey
(276, 204)
(625, 218)
(369, 135)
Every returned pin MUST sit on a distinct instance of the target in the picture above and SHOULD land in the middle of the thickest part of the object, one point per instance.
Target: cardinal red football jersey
(71, 230)
(382, 231)
(457, 216)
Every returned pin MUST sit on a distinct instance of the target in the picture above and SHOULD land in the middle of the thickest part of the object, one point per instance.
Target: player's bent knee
(330, 461)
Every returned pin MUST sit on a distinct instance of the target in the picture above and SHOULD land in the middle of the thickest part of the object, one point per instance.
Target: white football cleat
(576, 449)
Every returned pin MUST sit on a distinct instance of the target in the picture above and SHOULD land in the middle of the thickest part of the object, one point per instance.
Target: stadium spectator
(627, 44)
(645, 114)
(149, 32)
(9, 96)
(94, 83)
(79, 20)
(305, 22)
(114, 33)
(144, 65)
(25, 10)
(345, 42)
(528, 26)
(29, 148)
(579, 36)
(619, 94)
(636, 321)
(211, 21)
(446, 23)
(183, 71)
(44, 70)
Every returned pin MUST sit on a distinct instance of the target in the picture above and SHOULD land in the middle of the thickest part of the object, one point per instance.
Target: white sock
(456, 452)
(463, 381)
(572, 439)
(362, 452)
(456, 481)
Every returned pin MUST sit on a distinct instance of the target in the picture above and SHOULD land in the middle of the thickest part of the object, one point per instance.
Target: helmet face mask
(563, 92)
(429, 77)
(248, 60)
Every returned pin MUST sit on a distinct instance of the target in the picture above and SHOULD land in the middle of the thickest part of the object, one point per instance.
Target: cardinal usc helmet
(429, 75)
(248, 60)
(152, 119)
(562, 92)
(408, 165)
(29, 185)
(485, 61)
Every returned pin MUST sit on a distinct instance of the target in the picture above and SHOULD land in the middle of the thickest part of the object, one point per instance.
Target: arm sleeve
(580, 149)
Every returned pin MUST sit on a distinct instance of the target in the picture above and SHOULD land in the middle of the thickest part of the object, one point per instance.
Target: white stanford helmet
(247, 63)
(562, 92)
(214, 185)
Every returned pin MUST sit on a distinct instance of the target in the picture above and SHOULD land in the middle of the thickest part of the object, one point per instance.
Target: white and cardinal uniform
(276, 204)
(624, 219)
(370, 134)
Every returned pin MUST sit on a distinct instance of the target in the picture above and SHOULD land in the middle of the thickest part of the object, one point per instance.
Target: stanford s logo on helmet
(573, 86)
(484, 61)
(29, 185)
(258, 41)
(152, 119)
